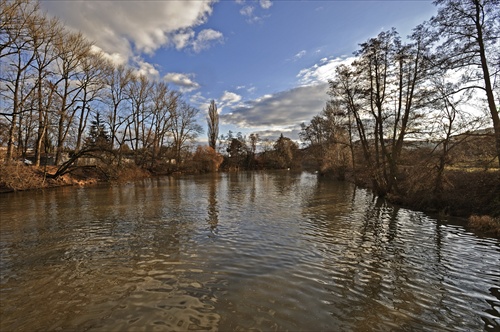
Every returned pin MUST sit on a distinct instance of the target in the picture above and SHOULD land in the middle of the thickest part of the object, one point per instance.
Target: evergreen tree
(98, 136)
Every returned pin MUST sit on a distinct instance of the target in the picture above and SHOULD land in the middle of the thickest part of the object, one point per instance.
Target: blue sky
(265, 63)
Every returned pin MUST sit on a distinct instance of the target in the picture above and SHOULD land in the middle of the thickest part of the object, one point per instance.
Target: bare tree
(470, 36)
(117, 80)
(92, 83)
(139, 96)
(14, 18)
(163, 103)
(44, 35)
(17, 46)
(184, 127)
(71, 49)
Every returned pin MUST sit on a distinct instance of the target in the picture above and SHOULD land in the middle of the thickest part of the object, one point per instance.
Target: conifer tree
(98, 136)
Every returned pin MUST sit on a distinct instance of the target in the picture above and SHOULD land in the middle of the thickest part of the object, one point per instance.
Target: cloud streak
(287, 108)
(300, 55)
(284, 111)
(205, 38)
(183, 81)
(322, 71)
(250, 11)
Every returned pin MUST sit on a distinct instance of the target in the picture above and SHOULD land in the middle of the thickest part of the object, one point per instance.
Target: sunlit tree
(285, 151)
(184, 127)
(213, 125)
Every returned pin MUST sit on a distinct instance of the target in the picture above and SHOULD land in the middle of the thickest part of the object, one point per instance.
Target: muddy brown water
(237, 252)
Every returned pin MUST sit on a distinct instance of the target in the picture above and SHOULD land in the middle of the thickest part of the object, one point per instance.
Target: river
(238, 252)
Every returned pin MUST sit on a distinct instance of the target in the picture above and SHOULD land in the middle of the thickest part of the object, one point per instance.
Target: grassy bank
(470, 193)
(18, 177)
(485, 224)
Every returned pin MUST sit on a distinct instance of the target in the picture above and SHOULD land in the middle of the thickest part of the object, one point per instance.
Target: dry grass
(485, 224)
(17, 176)
(130, 172)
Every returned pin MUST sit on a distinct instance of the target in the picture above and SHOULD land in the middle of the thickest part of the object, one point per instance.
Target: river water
(238, 252)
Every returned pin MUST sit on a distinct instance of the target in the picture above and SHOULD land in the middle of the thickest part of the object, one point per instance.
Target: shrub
(485, 224)
(17, 176)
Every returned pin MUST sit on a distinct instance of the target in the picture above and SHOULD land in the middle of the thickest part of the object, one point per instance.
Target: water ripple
(246, 251)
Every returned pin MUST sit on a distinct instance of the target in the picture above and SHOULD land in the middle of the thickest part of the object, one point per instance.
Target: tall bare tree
(384, 91)
(72, 48)
(44, 36)
(17, 45)
(117, 80)
(469, 33)
(139, 96)
(184, 127)
(163, 104)
(92, 83)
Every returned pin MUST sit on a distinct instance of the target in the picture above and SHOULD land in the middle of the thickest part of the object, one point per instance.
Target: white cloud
(322, 72)
(266, 4)
(250, 11)
(115, 58)
(126, 27)
(247, 11)
(205, 38)
(284, 109)
(300, 54)
(183, 38)
(183, 81)
(230, 97)
(145, 68)
(249, 89)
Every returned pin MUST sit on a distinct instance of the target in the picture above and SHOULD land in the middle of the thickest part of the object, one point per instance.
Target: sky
(265, 63)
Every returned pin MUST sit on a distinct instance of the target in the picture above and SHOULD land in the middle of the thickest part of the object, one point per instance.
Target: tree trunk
(487, 82)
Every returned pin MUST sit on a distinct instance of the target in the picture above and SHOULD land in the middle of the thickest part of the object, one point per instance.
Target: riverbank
(19, 177)
(472, 194)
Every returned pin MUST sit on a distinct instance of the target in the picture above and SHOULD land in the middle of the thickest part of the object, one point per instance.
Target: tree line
(55, 82)
(398, 95)
(60, 95)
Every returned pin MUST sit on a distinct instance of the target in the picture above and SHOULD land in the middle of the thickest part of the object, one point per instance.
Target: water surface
(246, 251)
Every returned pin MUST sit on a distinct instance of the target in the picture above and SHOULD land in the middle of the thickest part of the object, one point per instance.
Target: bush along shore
(20, 177)
(471, 196)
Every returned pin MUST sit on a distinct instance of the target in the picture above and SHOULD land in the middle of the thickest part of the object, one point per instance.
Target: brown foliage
(206, 159)
(463, 192)
(130, 172)
(17, 176)
(485, 224)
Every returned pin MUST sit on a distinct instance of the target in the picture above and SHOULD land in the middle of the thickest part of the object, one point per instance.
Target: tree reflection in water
(238, 251)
